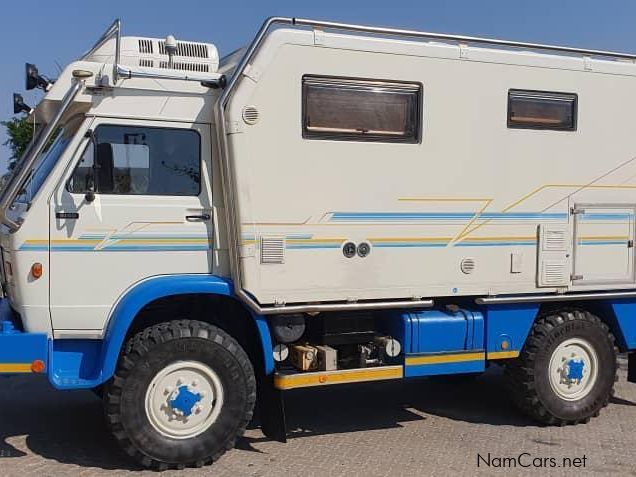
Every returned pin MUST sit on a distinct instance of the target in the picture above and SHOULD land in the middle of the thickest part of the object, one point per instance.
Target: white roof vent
(138, 51)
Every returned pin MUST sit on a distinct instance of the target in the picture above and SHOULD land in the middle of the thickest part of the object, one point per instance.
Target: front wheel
(182, 394)
(567, 368)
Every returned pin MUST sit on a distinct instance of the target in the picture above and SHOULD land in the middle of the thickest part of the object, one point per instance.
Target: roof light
(82, 74)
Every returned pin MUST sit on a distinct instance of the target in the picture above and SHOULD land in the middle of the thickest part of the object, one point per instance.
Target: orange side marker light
(38, 366)
(36, 270)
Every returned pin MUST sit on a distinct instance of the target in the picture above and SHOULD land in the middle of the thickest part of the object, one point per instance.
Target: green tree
(19, 132)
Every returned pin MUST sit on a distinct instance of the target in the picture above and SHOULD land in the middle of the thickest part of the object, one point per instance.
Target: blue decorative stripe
(155, 237)
(312, 245)
(408, 244)
(592, 217)
(407, 216)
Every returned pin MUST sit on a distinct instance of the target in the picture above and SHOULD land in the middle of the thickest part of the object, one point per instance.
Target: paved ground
(401, 428)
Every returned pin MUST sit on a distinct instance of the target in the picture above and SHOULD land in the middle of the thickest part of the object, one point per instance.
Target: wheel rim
(184, 399)
(573, 369)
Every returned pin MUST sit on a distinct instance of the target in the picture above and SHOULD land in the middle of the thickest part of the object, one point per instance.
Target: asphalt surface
(422, 427)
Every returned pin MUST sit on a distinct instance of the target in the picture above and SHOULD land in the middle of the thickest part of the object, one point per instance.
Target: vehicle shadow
(68, 427)
(65, 426)
(351, 408)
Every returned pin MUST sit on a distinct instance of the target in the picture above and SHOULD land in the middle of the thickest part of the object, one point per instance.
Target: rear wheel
(182, 394)
(567, 368)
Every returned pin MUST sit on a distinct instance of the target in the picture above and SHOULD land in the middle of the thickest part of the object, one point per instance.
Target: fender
(71, 358)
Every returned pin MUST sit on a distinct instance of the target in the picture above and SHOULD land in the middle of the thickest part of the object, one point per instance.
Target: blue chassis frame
(82, 363)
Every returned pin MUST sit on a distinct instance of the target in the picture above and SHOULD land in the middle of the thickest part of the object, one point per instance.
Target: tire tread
(520, 372)
(141, 344)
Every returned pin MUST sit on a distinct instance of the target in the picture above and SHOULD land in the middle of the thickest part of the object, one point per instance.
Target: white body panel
(472, 189)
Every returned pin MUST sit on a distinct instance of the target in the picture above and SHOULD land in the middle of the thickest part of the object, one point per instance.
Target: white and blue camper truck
(334, 203)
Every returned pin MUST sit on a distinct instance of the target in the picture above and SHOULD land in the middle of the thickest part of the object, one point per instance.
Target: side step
(294, 380)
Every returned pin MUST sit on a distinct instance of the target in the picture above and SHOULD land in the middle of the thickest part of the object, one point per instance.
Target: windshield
(46, 162)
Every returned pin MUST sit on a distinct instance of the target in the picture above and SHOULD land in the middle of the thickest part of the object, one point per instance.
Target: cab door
(136, 203)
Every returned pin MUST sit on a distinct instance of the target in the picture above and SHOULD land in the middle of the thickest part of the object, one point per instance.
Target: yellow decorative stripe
(15, 368)
(503, 354)
(324, 378)
(162, 240)
(445, 358)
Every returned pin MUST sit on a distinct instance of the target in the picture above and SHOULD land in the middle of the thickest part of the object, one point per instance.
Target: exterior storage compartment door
(603, 244)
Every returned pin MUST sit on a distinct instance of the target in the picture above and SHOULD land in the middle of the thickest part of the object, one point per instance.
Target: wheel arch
(618, 315)
(127, 316)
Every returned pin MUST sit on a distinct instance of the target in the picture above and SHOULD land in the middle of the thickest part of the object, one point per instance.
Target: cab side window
(140, 161)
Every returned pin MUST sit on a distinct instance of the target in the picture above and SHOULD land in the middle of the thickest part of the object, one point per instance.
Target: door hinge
(574, 211)
(630, 244)
(576, 277)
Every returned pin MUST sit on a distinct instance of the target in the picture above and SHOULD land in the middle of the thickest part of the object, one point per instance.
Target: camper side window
(541, 110)
(361, 110)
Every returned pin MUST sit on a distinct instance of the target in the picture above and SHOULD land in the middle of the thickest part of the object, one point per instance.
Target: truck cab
(123, 192)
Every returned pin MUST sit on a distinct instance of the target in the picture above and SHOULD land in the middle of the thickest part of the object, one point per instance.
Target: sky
(53, 33)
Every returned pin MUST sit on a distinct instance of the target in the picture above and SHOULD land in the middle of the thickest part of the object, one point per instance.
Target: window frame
(573, 98)
(91, 143)
(361, 137)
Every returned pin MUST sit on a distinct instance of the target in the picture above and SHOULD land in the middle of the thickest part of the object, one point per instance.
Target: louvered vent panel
(200, 67)
(272, 249)
(554, 239)
(467, 265)
(187, 49)
(250, 114)
(555, 263)
(145, 46)
(554, 273)
(146, 62)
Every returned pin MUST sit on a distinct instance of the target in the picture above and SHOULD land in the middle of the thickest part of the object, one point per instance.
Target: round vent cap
(250, 115)
(467, 265)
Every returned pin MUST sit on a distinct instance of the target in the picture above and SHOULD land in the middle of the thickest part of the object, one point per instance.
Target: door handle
(198, 218)
(66, 215)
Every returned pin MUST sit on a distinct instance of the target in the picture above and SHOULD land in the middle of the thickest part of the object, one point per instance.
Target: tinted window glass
(541, 110)
(141, 161)
(358, 110)
(82, 179)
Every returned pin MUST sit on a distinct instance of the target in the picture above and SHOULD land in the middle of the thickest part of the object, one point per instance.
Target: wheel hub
(184, 399)
(573, 369)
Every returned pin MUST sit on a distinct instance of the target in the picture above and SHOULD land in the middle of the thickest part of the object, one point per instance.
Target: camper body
(332, 204)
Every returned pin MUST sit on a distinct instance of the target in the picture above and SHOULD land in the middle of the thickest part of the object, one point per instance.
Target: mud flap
(271, 409)
(631, 367)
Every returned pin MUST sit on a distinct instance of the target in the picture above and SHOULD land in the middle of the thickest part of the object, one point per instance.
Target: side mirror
(104, 168)
(35, 80)
(19, 105)
(31, 76)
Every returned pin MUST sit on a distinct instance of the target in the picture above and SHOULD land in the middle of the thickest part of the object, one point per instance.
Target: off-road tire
(150, 351)
(527, 375)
